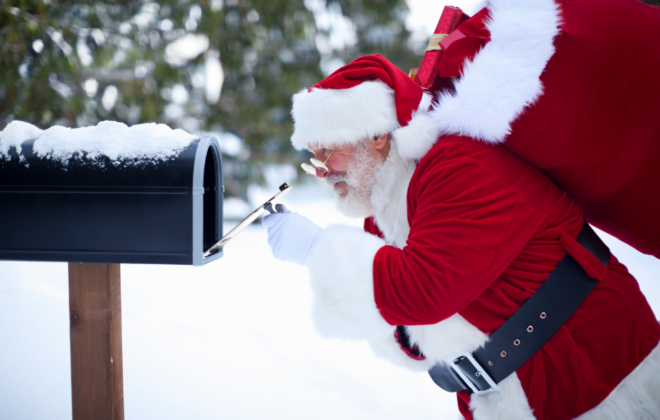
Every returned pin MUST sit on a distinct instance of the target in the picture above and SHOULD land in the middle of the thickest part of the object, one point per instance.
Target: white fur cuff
(341, 273)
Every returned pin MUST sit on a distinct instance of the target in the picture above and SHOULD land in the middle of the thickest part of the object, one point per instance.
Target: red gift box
(427, 72)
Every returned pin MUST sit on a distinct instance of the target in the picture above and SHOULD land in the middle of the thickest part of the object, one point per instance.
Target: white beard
(360, 178)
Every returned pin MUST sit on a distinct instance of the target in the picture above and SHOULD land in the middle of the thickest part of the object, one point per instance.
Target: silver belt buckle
(480, 372)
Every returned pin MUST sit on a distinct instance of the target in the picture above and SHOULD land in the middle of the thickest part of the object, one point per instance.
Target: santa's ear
(381, 141)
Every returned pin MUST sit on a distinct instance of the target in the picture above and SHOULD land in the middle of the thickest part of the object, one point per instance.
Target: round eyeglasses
(316, 164)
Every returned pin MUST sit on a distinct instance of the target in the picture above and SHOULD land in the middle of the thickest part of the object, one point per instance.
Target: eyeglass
(316, 164)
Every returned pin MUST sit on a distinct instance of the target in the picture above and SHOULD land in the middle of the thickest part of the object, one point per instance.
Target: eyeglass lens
(308, 168)
(316, 164)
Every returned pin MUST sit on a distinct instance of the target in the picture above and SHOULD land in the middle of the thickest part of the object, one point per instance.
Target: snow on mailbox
(109, 194)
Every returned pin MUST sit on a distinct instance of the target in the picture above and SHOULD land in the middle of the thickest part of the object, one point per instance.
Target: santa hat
(365, 98)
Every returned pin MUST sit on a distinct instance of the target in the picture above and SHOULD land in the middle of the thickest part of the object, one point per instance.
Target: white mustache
(335, 178)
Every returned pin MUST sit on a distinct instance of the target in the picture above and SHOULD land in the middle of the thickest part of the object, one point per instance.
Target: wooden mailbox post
(97, 375)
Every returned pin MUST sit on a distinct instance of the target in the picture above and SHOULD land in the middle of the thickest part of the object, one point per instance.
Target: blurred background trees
(228, 67)
(223, 66)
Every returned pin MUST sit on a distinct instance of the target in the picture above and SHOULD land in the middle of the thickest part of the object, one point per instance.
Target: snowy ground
(230, 340)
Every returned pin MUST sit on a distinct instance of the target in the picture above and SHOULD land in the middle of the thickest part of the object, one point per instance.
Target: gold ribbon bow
(434, 43)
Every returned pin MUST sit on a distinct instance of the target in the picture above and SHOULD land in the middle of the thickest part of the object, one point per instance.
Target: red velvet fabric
(464, 405)
(595, 129)
(486, 230)
(473, 36)
(371, 227)
(407, 95)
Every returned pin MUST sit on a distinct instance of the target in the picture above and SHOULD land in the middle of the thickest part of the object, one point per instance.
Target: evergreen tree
(75, 63)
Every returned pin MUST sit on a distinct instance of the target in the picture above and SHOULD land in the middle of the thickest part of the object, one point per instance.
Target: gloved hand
(290, 235)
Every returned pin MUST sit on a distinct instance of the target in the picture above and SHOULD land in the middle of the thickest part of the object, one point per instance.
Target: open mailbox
(104, 211)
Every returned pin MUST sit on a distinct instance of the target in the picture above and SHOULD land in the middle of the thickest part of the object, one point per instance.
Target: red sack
(573, 88)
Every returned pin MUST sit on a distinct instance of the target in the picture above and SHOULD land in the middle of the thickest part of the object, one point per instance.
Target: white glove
(290, 235)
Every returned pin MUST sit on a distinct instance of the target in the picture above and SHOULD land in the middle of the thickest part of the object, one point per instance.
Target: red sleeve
(466, 226)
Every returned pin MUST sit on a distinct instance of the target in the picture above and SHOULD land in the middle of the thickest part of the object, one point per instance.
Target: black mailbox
(104, 211)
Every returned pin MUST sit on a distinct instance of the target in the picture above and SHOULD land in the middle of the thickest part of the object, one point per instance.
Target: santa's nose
(321, 173)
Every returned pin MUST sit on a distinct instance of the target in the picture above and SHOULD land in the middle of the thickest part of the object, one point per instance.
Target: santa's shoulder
(456, 150)
(466, 163)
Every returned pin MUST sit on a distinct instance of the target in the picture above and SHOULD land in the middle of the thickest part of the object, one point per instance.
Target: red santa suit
(456, 245)
(572, 87)
(485, 230)
(462, 233)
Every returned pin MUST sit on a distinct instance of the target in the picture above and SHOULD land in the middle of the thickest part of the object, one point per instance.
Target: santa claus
(461, 240)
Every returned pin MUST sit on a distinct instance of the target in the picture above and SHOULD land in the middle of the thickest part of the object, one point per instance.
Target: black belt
(528, 329)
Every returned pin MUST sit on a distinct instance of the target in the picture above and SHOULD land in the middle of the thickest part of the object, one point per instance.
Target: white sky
(424, 14)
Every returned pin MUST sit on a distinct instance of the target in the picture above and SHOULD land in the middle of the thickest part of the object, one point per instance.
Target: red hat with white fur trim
(367, 97)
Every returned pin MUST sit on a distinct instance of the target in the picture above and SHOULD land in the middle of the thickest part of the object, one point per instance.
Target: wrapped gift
(427, 72)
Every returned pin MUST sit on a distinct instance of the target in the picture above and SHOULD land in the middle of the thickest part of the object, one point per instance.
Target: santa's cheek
(339, 164)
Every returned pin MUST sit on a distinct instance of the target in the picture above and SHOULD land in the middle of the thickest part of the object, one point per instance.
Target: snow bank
(117, 141)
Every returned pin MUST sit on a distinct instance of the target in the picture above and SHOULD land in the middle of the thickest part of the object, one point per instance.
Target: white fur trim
(341, 276)
(388, 197)
(417, 138)
(425, 103)
(447, 339)
(341, 273)
(387, 348)
(337, 117)
(509, 403)
(636, 397)
(503, 78)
